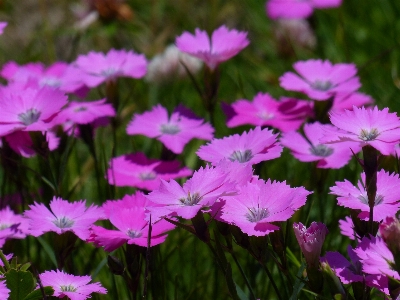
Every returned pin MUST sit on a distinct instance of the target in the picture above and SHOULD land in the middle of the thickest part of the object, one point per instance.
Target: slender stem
(4, 260)
(243, 275)
(271, 279)
(370, 155)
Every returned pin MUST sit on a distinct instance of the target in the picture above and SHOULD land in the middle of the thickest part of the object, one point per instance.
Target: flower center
(4, 226)
(256, 214)
(108, 72)
(170, 129)
(79, 109)
(241, 156)
(364, 199)
(321, 150)
(191, 200)
(52, 82)
(265, 115)
(63, 222)
(134, 234)
(147, 175)
(366, 135)
(321, 85)
(29, 117)
(68, 288)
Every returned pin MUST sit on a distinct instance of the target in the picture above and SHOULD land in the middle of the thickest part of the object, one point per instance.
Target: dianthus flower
(64, 216)
(12, 226)
(355, 197)
(285, 115)
(345, 101)
(295, 9)
(346, 227)
(321, 80)
(199, 192)
(99, 67)
(251, 147)
(174, 132)
(309, 148)
(368, 126)
(258, 203)
(4, 291)
(223, 45)
(71, 286)
(29, 109)
(2, 26)
(137, 170)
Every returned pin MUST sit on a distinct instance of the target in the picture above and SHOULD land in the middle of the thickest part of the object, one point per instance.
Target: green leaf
(25, 266)
(299, 283)
(37, 294)
(20, 283)
(48, 250)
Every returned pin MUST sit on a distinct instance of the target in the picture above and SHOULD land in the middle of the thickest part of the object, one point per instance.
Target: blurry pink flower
(251, 147)
(297, 9)
(347, 229)
(2, 26)
(258, 203)
(321, 80)
(199, 192)
(137, 170)
(73, 287)
(390, 233)
(4, 291)
(376, 257)
(174, 132)
(12, 226)
(285, 115)
(85, 112)
(29, 109)
(310, 240)
(355, 197)
(368, 126)
(64, 216)
(309, 148)
(223, 45)
(99, 67)
(342, 102)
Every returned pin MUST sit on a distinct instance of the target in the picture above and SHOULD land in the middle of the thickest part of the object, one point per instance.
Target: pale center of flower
(29, 117)
(63, 222)
(147, 175)
(68, 288)
(133, 234)
(366, 135)
(321, 85)
(4, 226)
(378, 199)
(191, 200)
(52, 82)
(321, 150)
(108, 72)
(256, 214)
(241, 156)
(265, 115)
(81, 108)
(170, 129)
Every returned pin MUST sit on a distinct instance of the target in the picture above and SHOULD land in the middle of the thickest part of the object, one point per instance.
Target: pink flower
(64, 216)
(390, 232)
(174, 132)
(12, 226)
(309, 148)
(285, 115)
(355, 197)
(377, 128)
(297, 9)
(347, 229)
(199, 192)
(310, 240)
(67, 285)
(116, 63)
(137, 170)
(258, 203)
(223, 45)
(4, 291)
(251, 147)
(2, 26)
(29, 109)
(321, 80)
(342, 102)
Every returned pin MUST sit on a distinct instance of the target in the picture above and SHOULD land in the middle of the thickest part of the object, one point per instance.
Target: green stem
(370, 155)
(4, 260)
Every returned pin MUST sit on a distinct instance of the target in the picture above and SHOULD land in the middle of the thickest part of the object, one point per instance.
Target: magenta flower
(2, 26)
(347, 229)
(251, 147)
(258, 203)
(390, 232)
(342, 102)
(377, 128)
(297, 9)
(29, 109)
(223, 45)
(116, 63)
(64, 216)
(71, 286)
(310, 240)
(285, 115)
(309, 148)
(355, 197)
(4, 291)
(137, 170)
(199, 192)
(174, 132)
(376, 257)
(321, 80)
(12, 226)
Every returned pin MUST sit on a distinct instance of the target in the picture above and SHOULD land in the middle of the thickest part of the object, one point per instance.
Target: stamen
(68, 288)
(321, 150)
(241, 156)
(63, 222)
(321, 85)
(134, 234)
(256, 214)
(366, 135)
(147, 175)
(29, 117)
(170, 129)
(191, 200)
